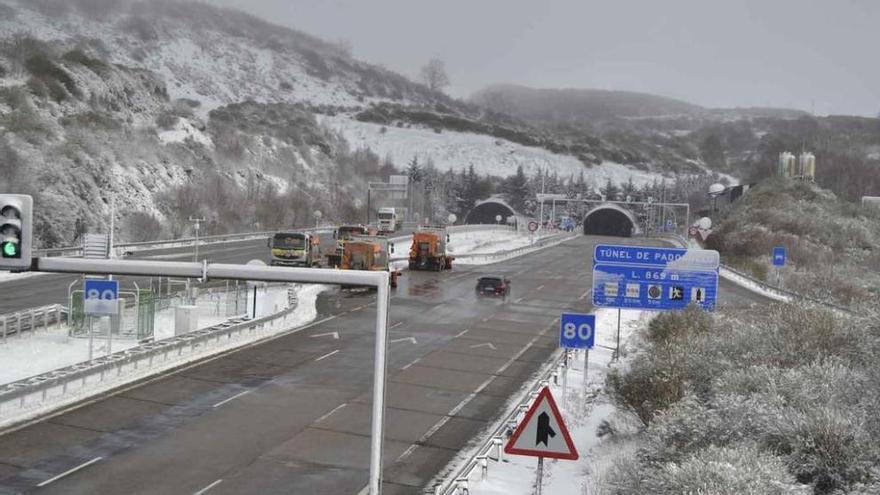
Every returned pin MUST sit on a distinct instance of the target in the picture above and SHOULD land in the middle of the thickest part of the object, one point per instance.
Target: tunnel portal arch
(485, 212)
(611, 220)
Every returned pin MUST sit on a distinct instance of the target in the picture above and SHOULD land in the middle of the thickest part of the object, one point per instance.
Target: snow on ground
(583, 407)
(5, 275)
(184, 130)
(451, 150)
(46, 350)
(491, 242)
(753, 286)
(34, 353)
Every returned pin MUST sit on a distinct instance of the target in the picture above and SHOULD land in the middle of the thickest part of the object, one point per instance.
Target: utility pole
(197, 226)
(198, 223)
(541, 220)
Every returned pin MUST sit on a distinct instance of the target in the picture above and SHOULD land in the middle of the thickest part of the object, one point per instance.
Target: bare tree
(141, 226)
(434, 75)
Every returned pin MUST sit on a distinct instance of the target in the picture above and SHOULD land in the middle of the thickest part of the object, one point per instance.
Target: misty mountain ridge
(572, 106)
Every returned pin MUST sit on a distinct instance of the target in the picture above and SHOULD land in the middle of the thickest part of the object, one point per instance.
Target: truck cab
(295, 249)
(429, 250)
(342, 235)
(372, 253)
(389, 220)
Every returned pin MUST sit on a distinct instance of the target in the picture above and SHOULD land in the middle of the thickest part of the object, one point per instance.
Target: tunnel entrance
(608, 221)
(485, 213)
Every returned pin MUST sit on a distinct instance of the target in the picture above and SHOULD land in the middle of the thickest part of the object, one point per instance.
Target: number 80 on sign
(577, 331)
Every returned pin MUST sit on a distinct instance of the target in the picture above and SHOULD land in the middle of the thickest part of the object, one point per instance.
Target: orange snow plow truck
(369, 253)
(429, 250)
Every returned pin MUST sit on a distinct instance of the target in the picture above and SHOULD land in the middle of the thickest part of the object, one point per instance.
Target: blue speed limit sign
(577, 331)
(101, 297)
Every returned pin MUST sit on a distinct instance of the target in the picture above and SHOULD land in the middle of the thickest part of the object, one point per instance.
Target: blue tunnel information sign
(641, 277)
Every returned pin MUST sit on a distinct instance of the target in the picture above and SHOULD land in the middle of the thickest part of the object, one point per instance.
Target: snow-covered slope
(170, 107)
(450, 150)
(213, 56)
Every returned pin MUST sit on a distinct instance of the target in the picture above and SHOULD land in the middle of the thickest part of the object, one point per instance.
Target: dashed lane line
(69, 472)
(322, 418)
(325, 356)
(411, 364)
(205, 489)
(231, 398)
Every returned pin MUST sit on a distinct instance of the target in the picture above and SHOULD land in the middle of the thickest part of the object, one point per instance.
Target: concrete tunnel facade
(610, 220)
(485, 212)
(606, 219)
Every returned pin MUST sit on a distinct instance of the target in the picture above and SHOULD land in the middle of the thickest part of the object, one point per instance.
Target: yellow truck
(295, 249)
(369, 253)
(428, 250)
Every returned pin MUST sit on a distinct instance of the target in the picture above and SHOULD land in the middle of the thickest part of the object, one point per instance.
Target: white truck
(390, 220)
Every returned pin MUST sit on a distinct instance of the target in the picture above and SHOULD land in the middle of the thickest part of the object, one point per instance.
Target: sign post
(542, 433)
(779, 258)
(100, 298)
(577, 331)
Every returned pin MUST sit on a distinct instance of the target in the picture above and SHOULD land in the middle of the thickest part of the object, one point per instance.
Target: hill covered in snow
(164, 106)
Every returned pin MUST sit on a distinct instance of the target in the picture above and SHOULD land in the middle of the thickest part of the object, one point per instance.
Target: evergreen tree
(415, 173)
(516, 190)
(610, 190)
(629, 188)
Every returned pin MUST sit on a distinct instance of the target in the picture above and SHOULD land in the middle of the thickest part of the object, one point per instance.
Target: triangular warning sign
(542, 433)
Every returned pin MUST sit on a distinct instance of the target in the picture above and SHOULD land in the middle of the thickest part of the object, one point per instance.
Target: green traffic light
(10, 250)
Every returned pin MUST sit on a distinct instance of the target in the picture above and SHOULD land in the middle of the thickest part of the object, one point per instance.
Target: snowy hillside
(457, 151)
(213, 56)
(172, 108)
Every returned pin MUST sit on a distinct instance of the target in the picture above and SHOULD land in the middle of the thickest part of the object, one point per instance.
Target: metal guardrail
(184, 241)
(540, 243)
(764, 286)
(64, 386)
(28, 320)
(77, 250)
(793, 296)
(457, 482)
(35, 395)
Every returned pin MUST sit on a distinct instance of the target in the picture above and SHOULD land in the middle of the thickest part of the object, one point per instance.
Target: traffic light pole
(204, 270)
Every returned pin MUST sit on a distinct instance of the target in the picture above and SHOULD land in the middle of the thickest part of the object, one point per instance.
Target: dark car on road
(494, 285)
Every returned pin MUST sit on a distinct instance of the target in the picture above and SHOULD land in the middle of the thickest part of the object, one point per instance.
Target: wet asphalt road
(292, 415)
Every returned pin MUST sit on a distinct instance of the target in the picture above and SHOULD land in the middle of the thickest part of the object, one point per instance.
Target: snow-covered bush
(735, 470)
(795, 386)
(831, 242)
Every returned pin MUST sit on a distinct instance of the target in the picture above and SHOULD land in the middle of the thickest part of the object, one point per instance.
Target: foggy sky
(806, 54)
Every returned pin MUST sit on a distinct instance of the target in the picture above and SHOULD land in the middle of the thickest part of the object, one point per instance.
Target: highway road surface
(292, 415)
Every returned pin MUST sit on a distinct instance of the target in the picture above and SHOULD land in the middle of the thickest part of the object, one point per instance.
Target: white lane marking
(583, 296)
(395, 325)
(411, 339)
(164, 375)
(69, 472)
(540, 287)
(334, 334)
(519, 300)
(455, 410)
(205, 489)
(466, 330)
(322, 418)
(485, 344)
(407, 453)
(410, 364)
(325, 356)
(231, 398)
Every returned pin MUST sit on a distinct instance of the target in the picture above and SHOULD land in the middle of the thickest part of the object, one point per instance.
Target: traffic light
(16, 231)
